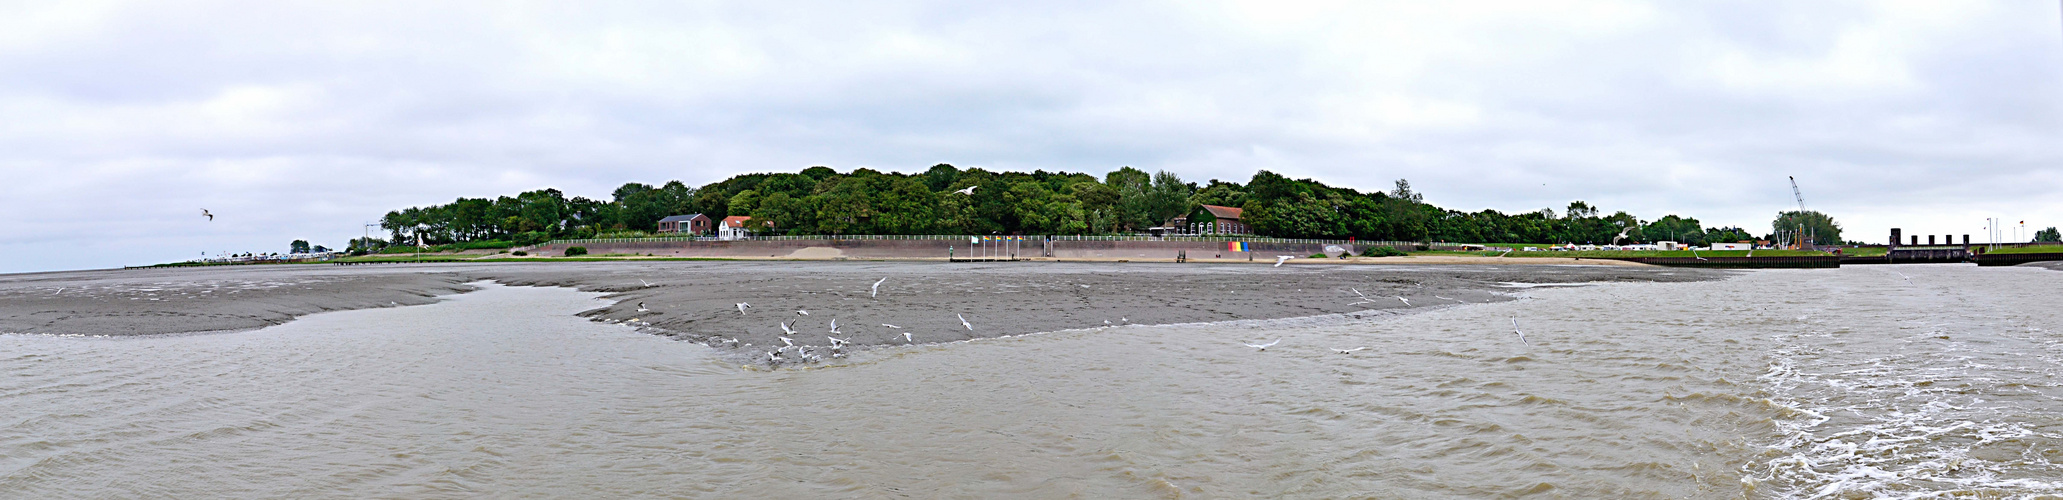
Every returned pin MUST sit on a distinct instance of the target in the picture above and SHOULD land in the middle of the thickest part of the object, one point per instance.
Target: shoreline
(695, 300)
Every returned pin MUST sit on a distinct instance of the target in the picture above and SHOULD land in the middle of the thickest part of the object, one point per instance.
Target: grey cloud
(302, 121)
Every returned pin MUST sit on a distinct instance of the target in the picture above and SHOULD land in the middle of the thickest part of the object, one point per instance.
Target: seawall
(832, 249)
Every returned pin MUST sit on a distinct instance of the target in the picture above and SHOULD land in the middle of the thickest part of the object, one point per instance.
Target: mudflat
(697, 301)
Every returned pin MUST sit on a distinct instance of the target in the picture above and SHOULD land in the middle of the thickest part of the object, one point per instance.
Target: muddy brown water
(1774, 384)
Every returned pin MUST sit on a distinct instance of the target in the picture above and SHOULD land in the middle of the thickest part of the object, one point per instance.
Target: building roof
(1223, 212)
(738, 221)
(680, 218)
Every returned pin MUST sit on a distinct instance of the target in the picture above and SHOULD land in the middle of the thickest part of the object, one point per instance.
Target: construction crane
(1796, 193)
(1799, 241)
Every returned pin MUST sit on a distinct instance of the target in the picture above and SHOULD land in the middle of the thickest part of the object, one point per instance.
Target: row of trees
(948, 200)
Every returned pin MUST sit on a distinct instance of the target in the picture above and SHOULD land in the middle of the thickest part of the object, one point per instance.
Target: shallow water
(1776, 384)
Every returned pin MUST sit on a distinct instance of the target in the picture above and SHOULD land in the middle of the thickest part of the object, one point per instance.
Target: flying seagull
(1279, 259)
(204, 213)
(1908, 279)
(834, 325)
(785, 329)
(891, 326)
(733, 340)
(963, 322)
(969, 191)
(1515, 329)
(877, 288)
(906, 337)
(742, 306)
(1265, 347)
(641, 307)
(773, 357)
(837, 343)
(1348, 351)
(642, 280)
(1407, 302)
(786, 340)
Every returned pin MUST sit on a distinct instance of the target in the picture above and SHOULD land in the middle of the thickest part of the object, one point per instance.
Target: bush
(572, 251)
(520, 253)
(532, 238)
(1381, 251)
(1317, 256)
(360, 252)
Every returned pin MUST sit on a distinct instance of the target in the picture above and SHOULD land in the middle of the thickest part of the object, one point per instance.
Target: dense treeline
(950, 200)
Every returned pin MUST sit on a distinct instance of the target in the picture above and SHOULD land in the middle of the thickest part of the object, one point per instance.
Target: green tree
(298, 246)
(2048, 236)
(1820, 228)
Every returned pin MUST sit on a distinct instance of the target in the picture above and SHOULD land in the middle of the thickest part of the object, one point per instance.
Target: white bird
(1264, 347)
(204, 213)
(773, 357)
(837, 343)
(732, 340)
(906, 337)
(891, 326)
(834, 325)
(963, 322)
(1279, 259)
(1407, 302)
(641, 307)
(786, 340)
(1106, 322)
(1348, 351)
(742, 306)
(876, 290)
(642, 280)
(785, 329)
(1908, 280)
(800, 312)
(1515, 329)
(969, 191)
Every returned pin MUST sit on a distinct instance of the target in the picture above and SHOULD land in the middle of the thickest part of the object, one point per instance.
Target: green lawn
(1601, 254)
(2031, 249)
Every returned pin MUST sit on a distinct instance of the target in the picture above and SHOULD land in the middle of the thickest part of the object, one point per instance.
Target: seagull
(785, 329)
(1265, 347)
(1279, 259)
(1407, 302)
(732, 340)
(1908, 279)
(837, 343)
(742, 306)
(1515, 329)
(642, 280)
(877, 288)
(786, 340)
(204, 213)
(969, 191)
(906, 337)
(963, 322)
(800, 312)
(773, 357)
(641, 307)
(891, 326)
(834, 325)
(1348, 351)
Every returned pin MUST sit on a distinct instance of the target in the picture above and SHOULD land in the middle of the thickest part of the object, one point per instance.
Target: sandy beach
(696, 301)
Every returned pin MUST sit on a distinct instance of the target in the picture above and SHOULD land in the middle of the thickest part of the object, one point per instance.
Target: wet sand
(695, 301)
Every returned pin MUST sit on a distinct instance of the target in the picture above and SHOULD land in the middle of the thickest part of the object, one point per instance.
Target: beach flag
(1235, 246)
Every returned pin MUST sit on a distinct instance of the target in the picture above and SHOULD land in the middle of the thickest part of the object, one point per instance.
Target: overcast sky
(120, 122)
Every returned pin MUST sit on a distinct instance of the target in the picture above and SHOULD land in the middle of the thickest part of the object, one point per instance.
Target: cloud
(118, 121)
